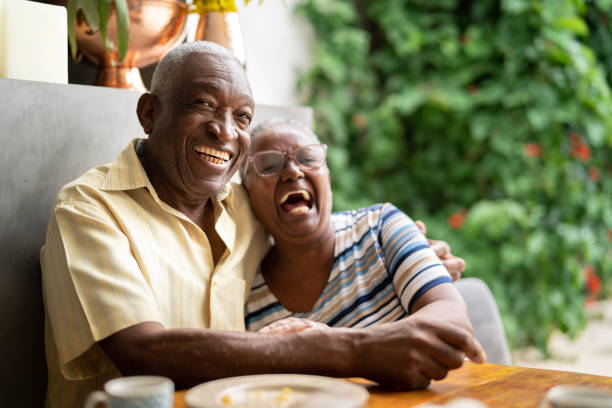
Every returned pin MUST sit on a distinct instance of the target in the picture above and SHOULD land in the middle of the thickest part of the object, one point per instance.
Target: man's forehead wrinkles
(220, 84)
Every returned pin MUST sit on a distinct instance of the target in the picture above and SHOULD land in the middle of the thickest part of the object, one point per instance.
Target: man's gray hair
(165, 74)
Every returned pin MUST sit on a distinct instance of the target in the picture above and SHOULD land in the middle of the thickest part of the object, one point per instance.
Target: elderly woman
(350, 269)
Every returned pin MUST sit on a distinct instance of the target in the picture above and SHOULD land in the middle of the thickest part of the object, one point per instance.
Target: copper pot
(222, 27)
(155, 27)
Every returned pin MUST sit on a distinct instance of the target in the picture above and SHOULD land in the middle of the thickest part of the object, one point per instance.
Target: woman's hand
(291, 325)
(453, 264)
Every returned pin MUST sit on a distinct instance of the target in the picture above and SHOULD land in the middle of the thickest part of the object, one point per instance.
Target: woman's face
(295, 203)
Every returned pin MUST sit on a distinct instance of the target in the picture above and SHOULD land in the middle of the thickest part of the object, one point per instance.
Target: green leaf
(407, 101)
(123, 27)
(516, 6)
(90, 11)
(71, 10)
(104, 10)
(573, 24)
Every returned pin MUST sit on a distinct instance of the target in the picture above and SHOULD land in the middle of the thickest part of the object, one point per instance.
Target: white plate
(275, 391)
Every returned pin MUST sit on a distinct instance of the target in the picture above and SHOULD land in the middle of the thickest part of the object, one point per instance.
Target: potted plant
(123, 35)
(97, 13)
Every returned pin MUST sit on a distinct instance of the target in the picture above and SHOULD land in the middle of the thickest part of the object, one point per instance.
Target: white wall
(278, 47)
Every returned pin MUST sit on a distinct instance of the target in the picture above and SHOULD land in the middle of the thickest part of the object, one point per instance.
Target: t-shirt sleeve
(411, 263)
(92, 286)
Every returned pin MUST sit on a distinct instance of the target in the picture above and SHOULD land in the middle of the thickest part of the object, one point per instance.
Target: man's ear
(147, 107)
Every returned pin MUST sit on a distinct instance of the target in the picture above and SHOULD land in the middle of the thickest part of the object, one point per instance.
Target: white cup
(134, 392)
(576, 396)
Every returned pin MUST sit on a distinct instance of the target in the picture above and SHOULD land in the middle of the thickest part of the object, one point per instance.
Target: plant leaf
(90, 10)
(123, 27)
(71, 8)
(104, 12)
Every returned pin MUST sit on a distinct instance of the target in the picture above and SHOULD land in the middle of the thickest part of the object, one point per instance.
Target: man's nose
(291, 170)
(223, 127)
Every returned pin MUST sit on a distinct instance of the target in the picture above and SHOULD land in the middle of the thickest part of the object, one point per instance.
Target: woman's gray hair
(274, 122)
(269, 124)
(165, 74)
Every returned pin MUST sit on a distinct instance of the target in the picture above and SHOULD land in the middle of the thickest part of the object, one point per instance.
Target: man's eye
(203, 102)
(245, 117)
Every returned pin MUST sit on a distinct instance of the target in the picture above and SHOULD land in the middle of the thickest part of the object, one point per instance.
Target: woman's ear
(146, 110)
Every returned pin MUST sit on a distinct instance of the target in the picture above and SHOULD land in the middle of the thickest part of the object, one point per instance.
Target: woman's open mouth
(296, 202)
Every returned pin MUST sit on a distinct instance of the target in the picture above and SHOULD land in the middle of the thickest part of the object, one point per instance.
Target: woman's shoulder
(371, 213)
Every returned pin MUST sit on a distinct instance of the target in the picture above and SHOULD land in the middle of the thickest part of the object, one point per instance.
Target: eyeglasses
(271, 162)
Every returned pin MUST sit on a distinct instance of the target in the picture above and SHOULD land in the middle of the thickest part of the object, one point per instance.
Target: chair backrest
(50, 134)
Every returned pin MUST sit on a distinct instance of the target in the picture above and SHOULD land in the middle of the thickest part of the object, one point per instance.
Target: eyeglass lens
(271, 162)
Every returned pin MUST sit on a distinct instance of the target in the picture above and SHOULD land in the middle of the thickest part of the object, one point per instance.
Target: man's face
(294, 205)
(199, 133)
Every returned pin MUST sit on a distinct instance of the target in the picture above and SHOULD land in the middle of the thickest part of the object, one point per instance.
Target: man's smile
(212, 155)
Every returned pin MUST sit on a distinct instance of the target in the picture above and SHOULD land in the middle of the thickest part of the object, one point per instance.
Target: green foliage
(490, 120)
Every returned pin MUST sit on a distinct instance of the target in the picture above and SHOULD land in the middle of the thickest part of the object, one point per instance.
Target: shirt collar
(126, 172)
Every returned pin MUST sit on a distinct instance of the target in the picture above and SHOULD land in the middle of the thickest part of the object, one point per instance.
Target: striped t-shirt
(382, 264)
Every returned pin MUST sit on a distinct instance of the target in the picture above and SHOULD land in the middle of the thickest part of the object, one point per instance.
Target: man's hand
(291, 325)
(453, 264)
(409, 353)
(433, 340)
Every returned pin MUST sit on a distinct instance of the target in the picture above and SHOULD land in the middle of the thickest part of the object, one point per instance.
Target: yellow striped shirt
(115, 255)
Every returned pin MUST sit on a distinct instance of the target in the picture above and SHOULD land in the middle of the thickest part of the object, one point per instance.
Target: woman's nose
(291, 170)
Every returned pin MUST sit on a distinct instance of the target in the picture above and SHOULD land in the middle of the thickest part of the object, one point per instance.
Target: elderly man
(148, 260)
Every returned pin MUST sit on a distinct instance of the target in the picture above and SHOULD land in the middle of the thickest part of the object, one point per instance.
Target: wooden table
(494, 385)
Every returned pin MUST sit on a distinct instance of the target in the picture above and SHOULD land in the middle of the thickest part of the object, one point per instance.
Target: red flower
(580, 150)
(594, 173)
(473, 88)
(592, 280)
(532, 149)
(457, 219)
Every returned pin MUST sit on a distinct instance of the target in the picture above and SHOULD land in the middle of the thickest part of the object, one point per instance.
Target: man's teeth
(212, 155)
(305, 195)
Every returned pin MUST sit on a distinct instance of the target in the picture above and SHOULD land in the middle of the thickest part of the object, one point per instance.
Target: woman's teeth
(296, 202)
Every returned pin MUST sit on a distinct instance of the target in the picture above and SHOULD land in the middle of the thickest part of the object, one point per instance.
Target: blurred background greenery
(490, 120)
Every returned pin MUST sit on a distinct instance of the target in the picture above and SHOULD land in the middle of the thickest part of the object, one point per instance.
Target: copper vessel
(222, 27)
(155, 27)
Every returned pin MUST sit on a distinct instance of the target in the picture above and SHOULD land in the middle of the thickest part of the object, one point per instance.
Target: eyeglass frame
(287, 155)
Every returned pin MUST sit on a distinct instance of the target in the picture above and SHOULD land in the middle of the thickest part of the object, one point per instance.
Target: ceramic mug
(576, 396)
(134, 392)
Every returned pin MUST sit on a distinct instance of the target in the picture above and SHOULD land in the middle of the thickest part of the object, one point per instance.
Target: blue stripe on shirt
(361, 299)
(426, 287)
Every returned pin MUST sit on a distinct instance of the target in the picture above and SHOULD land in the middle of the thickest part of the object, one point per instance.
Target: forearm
(190, 356)
(443, 302)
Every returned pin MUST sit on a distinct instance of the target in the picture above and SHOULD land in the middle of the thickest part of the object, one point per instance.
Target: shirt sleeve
(92, 285)
(411, 263)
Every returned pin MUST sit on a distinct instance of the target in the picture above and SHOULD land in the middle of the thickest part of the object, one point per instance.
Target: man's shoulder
(82, 188)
